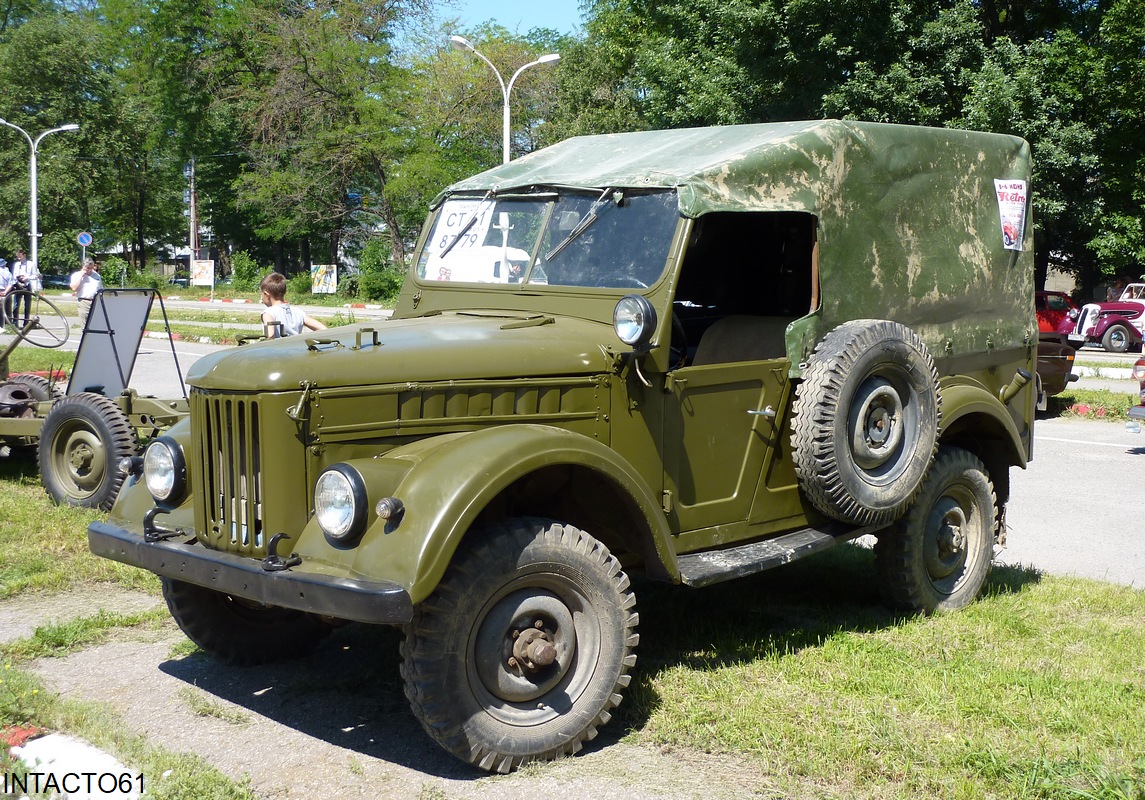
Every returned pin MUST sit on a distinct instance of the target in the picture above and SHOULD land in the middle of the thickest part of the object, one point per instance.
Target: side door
(722, 423)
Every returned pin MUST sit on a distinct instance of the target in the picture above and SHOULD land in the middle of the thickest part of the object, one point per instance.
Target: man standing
(86, 282)
(5, 287)
(26, 277)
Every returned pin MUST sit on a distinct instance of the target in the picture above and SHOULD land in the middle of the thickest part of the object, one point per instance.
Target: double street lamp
(461, 43)
(35, 145)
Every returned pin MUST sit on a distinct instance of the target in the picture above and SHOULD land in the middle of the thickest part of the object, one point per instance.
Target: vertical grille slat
(230, 472)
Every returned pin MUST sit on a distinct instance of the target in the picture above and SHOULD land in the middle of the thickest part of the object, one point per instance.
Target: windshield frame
(612, 277)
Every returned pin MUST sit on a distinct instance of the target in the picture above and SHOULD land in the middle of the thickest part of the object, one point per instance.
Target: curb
(1108, 373)
(160, 335)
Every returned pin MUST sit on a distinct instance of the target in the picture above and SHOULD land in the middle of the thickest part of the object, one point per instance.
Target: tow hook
(153, 533)
(532, 648)
(273, 561)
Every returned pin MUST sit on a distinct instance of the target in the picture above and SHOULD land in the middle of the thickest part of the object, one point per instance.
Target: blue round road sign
(84, 239)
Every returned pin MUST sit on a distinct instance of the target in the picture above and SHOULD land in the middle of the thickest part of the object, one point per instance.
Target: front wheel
(937, 557)
(1116, 339)
(238, 631)
(524, 648)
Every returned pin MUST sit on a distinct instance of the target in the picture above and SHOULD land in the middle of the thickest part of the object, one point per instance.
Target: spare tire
(865, 421)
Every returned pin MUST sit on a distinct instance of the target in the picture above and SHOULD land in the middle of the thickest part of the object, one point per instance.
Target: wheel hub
(876, 423)
(533, 648)
(525, 646)
(946, 545)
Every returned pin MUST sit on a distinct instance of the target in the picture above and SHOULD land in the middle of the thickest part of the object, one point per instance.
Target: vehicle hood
(453, 346)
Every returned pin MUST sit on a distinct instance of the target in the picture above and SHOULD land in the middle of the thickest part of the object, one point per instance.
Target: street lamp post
(461, 43)
(35, 145)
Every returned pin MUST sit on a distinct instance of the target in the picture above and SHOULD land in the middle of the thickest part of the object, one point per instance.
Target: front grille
(230, 472)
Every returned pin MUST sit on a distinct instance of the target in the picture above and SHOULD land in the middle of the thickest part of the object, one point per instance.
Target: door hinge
(666, 502)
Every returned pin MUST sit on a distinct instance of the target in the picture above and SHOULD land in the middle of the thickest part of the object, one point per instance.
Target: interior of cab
(745, 277)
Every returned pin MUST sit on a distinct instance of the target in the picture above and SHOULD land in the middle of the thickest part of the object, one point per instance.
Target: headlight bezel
(637, 312)
(177, 469)
(347, 534)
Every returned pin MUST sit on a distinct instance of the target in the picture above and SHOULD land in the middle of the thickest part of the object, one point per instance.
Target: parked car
(1117, 325)
(1055, 366)
(62, 282)
(1138, 411)
(1052, 308)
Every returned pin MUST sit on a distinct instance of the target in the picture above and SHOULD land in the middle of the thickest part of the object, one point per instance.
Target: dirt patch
(337, 723)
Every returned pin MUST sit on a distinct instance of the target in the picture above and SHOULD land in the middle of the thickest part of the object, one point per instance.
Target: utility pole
(192, 201)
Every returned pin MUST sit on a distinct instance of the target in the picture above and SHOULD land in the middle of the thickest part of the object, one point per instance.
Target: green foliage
(298, 287)
(378, 278)
(245, 272)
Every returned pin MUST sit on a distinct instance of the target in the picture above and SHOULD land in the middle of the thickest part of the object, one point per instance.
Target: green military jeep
(690, 354)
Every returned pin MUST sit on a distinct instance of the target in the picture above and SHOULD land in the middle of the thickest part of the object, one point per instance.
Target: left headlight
(165, 471)
(340, 504)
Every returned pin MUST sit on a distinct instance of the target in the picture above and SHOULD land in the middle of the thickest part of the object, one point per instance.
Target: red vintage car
(1052, 308)
(1118, 325)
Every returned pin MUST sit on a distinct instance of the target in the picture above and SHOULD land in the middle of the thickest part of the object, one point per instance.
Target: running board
(714, 566)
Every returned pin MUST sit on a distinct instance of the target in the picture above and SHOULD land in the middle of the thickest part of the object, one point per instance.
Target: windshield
(611, 239)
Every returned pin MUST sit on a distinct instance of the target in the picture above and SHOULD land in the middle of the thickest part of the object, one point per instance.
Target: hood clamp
(298, 412)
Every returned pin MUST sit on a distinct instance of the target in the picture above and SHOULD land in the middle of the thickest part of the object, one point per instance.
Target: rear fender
(445, 482)
(963, 402)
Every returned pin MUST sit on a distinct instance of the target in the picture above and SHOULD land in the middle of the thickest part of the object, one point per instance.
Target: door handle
(767, 412)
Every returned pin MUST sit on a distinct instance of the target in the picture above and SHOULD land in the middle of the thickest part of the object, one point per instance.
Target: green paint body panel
(479, 401)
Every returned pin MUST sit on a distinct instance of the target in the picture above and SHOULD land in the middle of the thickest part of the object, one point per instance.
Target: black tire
(52, 328)
(39, 387)
(938, 556)
(863, 376)
(463, 678)
(238, 631)
(1116, 339)
(81, 441)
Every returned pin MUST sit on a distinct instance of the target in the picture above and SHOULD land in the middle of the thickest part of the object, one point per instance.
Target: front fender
(445, 482)
(1106, 321)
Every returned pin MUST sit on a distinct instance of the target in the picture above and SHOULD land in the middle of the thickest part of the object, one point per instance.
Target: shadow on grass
(20, 464)
(349, 692)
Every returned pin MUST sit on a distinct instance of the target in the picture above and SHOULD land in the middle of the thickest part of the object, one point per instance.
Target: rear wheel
(238, 631)
(39, 387)
(524, 648)
(81, 442)
(937, 557)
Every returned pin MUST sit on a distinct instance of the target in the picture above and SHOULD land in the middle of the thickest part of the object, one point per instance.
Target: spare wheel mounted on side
(866, 418)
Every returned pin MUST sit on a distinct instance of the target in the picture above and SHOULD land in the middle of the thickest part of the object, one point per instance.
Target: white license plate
(1075, 337)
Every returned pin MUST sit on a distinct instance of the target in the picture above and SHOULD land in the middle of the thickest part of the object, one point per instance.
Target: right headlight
(340, 504)
(634, 320)
(165, 471)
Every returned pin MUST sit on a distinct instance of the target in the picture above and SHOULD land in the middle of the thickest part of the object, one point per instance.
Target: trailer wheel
(866, 418)
(81, 441)
(40, 388)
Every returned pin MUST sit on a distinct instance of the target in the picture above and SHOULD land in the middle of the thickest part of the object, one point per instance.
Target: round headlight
(634, 319)
(340, 504)
(165, 470)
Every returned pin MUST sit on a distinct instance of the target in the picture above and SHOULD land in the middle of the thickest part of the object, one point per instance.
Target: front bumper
(1137, 412)
(379, 602)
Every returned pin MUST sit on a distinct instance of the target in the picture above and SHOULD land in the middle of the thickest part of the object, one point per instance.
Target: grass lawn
(1035, 691)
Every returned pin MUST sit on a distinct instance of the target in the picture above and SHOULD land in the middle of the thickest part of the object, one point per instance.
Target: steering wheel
(47, 326)
(678, 349)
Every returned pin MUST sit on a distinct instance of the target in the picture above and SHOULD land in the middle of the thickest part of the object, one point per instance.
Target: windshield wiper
(465, 228)
(583, 225)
